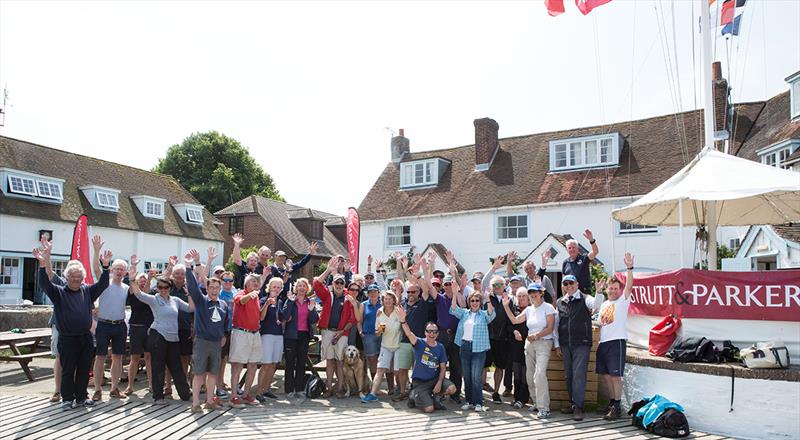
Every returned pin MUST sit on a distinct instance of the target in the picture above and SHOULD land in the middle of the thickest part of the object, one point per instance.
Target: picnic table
(34, 339)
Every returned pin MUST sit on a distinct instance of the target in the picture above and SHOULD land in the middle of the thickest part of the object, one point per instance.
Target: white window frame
(111, 200)
(497, 227)
(636, 230)
(157, 211)
(160, 265)
(775, 154)
(143, 201)
(194, 215)
(389, 236)
(794, 96)
(41, 188)
(573, 153)
(59, 266)
(430, 173)
(3, 268)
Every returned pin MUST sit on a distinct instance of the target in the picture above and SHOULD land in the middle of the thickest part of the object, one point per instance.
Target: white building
(44, 190)
(498, 195)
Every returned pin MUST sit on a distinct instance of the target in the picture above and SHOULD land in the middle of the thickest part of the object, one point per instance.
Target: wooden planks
(32, 418)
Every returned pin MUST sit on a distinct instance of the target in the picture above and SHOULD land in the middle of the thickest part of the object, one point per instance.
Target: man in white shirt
(613, 337)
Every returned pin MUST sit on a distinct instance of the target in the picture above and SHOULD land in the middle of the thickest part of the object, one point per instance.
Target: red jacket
(348, 314)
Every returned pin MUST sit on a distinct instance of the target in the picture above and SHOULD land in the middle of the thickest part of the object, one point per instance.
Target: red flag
(554, 7)
(353, 232)
(586, 6)
(726, 15)
(80, 246)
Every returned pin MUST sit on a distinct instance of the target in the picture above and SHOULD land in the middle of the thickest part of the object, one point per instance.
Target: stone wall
(27, 317)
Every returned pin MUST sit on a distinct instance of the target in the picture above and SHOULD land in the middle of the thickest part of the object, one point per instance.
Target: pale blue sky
(310, 86)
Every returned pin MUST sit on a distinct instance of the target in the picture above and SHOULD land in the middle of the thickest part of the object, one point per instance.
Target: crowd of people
(449, 330)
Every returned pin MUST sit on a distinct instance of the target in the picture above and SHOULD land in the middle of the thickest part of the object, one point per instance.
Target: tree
(217, 170)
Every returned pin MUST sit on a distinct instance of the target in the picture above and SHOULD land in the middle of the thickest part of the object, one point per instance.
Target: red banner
(692, 293)
(353, 232)
(81, 245)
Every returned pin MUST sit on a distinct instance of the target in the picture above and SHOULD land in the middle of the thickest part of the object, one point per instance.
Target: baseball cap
(279, 254)
(448, 279)
(535, 286)
(476, 276)
(338, 276)
(570, 278)
(218, 269)
(369, 274)
(515, 278)
(373, 286)
(435, 280)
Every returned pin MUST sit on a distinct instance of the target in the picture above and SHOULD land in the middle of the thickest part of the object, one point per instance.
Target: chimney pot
(402, 132)
(400, 146)
(716, 70)
(722, 109)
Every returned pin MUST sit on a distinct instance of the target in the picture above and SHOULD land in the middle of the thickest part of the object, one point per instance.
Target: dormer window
(102, 198)
(31, 186)
(422, 173)
(794, 95)
(775, 154)
(190, 213)
(150, 207)
(585, 152)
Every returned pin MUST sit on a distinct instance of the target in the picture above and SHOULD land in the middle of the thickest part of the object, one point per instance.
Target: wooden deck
(35, 418)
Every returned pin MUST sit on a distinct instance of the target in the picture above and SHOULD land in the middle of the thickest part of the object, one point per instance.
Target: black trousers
(521, 392)
(76, 354)
(509, 374)
(295, 354)
(165, 354)
(453, 360)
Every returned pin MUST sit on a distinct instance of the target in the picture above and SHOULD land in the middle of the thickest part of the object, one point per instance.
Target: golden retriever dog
(356, 380)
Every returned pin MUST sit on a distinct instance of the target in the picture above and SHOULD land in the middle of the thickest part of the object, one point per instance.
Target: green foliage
(321, 268)
(217, 170)
(231, 266)
(598, 272)
(517, 264)
(722, 252)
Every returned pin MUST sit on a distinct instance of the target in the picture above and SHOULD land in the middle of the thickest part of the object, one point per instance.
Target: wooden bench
(33, 338)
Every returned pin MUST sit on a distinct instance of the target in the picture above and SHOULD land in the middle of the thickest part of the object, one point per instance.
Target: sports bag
(671, 423)
(663, 334)
(694, 349)
(766, 355)
(315, 386)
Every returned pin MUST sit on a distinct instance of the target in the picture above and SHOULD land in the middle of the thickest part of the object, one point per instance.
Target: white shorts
(330, 351)
(388, 358)
(245, 347)
(271, 348)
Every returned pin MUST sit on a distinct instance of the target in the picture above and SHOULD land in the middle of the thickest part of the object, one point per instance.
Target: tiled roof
(772, 125)
(788, 232)
(78, 171)
(520, 173)
(277, 215)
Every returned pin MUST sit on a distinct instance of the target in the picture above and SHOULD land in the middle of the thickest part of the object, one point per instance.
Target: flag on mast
(586, 6)
(554, 7)
(732, 27)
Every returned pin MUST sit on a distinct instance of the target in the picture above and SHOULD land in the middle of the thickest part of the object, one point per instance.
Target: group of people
(444, 328)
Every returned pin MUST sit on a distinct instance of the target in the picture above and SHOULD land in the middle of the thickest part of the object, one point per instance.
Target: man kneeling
(428, 385)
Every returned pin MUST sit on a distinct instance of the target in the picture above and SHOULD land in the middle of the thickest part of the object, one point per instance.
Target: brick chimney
(722, 123)
(485, 142)
(400, 146)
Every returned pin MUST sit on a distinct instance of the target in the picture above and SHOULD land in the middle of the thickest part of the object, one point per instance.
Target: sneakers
(534, 409)
(518, 405)
(577, 415)
(399, 397)
(236, 402)
(97, 396)
(115, 393)
(290, 395)
(496, 398)
(411, 404)
(196, 409)
(221, 394)
(467, 407)
(369, 398)
(55, 398)
(488, 388)
(248, 399)
(269, 395)
(480, 408)
(261, 398)
(66, 405)
(613, 414)
(88, 403)
(543, 414)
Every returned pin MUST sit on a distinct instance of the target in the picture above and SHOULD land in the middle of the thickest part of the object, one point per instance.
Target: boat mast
(706, 30)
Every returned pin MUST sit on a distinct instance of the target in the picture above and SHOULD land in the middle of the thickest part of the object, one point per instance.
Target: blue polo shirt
(580, 268)
(427, 360)
(370, 313)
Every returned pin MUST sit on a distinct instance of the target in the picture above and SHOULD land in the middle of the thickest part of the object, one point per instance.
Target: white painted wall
(471, 236)
(19, 235)
(763, 409)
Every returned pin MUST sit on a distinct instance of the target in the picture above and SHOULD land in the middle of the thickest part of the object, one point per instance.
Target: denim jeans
(453, 359)
(472, 365)
(576, 362)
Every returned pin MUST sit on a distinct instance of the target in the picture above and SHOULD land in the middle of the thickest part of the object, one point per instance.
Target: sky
(316, 89)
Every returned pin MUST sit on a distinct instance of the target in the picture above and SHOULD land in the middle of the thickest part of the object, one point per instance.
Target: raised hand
(432, 258)
(173, 260)
(347, 266)
(588, 234)
(97, 243)
(628, 259)
(600, 285)
(498, 262)
(378, 263)
(401, 314)
(134, 260)
(238, 239)
(212, 253)
(313, 247)
(546, 257)
(511, 256)
(517, 335)
(403, 260)
(311, 305)
(105, 258)
(369, 259)
(40, 255)
(289, 265)
(448, 256)
(506, 299)
(188, 259)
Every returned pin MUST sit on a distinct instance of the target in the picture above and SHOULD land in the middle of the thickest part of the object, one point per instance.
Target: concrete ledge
(639, 356)
(24, 317)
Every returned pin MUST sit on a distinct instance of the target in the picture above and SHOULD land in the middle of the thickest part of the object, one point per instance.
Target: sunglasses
(474, 300)
(227, 280)
(437, 284)
(413, 291)
(162, 287)
(448, 284)
(354, 289)
(368, 276)
(568, 283)
(338, 282)
(427, 330)
(497, 285)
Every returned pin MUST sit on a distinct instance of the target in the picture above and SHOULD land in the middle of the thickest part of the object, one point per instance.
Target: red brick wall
(256, 233)
(485, 139)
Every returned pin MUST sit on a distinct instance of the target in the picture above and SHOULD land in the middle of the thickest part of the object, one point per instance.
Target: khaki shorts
(404, 359)
(330, 351)
(245, 347)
